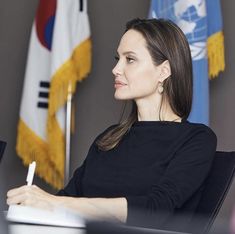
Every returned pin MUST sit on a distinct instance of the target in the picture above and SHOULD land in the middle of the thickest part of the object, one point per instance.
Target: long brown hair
(165, 41)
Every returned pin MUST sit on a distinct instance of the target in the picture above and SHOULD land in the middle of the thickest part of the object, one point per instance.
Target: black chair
(2, 148)
(216, 188)
(97, 227)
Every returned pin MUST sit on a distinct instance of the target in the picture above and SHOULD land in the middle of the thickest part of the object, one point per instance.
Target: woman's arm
(183, 177)
(96, 208)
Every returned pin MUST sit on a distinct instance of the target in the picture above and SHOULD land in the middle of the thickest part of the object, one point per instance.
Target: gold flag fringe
(30, 147)
(215, 45)
(75, 69)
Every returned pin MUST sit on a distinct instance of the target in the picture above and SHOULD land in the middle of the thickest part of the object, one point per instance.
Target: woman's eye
(116, 58)
(129, 59)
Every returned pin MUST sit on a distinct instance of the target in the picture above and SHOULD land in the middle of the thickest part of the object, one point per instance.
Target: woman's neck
(154, 111)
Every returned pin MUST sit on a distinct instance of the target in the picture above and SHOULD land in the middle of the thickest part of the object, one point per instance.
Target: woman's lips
(119, 84)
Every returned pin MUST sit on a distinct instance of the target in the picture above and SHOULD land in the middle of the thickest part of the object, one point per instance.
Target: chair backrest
(2, 148)
(216, 188)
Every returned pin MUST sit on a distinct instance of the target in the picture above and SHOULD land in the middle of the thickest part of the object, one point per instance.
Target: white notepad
(58, 217)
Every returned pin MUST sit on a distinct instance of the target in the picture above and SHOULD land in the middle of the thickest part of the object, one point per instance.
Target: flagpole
(68, 134)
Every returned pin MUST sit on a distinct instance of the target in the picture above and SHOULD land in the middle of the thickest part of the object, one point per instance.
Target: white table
(20, 228)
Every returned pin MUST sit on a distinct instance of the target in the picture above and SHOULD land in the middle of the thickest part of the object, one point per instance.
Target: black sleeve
(184, 175)
(74, 187)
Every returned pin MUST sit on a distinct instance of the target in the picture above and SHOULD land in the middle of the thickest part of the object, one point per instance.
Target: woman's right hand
(31, 196)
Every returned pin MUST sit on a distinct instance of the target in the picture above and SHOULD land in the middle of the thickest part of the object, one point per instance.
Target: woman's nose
(117, 70)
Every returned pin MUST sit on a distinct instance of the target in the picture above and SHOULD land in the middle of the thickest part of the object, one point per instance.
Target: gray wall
(222, 107)
(222, 95)
(95, 106)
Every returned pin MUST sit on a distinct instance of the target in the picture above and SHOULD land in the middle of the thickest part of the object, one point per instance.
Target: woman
(154, 161)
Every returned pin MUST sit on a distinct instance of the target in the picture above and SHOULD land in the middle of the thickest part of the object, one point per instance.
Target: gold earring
(160, 88)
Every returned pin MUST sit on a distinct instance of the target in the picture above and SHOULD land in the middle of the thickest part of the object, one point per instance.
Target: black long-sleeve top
(157, 166)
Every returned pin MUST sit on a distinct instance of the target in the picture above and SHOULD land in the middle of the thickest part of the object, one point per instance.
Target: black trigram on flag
(43, 94)
(81, 5)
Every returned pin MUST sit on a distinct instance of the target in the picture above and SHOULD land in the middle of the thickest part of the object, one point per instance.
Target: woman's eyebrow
(127, 52)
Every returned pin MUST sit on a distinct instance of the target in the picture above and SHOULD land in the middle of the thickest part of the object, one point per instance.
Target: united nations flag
(201, 22)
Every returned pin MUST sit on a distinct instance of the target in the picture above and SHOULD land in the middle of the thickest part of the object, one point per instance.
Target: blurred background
(95, 106)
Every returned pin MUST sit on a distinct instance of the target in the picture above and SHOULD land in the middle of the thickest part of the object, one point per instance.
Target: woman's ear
(165, 70)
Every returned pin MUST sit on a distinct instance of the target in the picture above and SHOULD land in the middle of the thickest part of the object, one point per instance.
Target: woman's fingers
(31, 196)
(16, 199)
(22, 197)
(17, 191)
(25, 190)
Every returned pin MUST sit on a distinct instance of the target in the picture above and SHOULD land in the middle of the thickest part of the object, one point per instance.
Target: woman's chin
(118, 96)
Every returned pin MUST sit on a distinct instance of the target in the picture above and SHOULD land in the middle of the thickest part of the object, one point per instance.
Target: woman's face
(136, 76)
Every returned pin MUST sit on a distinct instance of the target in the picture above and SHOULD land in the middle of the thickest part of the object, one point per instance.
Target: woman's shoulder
(100, 135)
(202, 130)
(106, 130)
